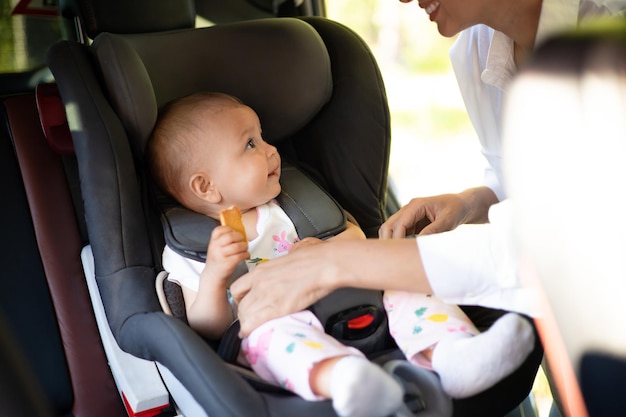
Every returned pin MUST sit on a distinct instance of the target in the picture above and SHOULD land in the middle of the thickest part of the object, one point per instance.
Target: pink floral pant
(283, 351)
(418, 322)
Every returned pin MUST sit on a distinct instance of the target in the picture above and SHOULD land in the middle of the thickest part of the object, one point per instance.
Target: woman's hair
(171, 150)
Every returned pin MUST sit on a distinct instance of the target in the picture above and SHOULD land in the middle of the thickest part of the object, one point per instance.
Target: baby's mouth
(275, 173)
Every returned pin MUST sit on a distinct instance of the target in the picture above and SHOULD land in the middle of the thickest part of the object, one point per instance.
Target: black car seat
(45, 308)
(132, 264)
(284, 68)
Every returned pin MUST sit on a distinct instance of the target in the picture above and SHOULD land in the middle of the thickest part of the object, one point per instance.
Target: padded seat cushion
(290, 83)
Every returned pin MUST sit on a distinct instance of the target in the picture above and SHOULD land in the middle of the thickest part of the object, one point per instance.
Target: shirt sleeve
(476, 265)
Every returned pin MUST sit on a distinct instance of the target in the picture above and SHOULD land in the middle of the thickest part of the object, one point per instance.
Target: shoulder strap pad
(312, 210)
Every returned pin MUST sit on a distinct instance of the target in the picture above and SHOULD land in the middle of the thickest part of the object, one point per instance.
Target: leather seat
(46, 310)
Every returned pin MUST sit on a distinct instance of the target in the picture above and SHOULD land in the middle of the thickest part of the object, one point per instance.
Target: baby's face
(244, 168)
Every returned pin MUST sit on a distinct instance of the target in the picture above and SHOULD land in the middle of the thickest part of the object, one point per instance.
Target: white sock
(468, 364)
(363, 389)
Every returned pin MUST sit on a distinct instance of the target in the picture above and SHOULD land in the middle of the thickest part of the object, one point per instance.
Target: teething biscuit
(232, 217)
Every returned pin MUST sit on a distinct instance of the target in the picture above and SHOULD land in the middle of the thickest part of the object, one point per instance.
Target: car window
(26, 32)
(434, 148)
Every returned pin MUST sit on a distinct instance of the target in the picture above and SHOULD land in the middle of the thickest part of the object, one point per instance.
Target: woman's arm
(474, 263)
(294, 282)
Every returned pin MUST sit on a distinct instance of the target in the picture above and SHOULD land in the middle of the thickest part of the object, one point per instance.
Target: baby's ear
(202, 187)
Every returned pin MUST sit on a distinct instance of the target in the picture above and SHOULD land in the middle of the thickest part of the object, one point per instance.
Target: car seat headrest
(136, 16)
(255, 61)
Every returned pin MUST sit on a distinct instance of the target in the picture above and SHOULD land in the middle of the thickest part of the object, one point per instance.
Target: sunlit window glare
(434, 148)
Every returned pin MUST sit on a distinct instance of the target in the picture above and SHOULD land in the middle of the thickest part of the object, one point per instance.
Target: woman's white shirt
(482, 59)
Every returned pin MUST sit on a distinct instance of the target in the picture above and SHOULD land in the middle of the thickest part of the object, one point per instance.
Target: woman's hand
(425, 216)
(281, 286)
(439, 213)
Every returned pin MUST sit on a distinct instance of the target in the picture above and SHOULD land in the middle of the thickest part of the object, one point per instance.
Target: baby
(208, 153)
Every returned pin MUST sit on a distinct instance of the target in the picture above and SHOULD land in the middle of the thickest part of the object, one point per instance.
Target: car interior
(83, 329)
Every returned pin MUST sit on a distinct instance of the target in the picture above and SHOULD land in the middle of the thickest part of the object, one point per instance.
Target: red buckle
(360, 322)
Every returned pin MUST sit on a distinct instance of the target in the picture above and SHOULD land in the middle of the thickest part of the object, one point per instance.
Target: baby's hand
(307, 241)
(226, 249)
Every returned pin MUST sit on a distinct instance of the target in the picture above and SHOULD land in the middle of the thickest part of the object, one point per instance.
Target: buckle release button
(361, 322)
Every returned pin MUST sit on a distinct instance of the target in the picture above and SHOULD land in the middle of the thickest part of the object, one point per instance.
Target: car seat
(577, 84)
(321, 100)
(132, 218)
